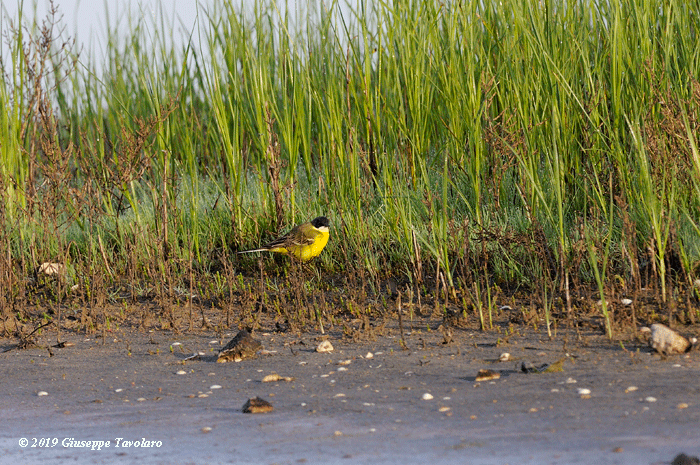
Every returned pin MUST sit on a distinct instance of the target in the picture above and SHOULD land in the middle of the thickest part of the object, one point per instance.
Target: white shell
(49, 269)
(325, 347)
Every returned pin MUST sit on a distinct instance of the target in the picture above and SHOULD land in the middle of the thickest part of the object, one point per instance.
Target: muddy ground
(416, 404)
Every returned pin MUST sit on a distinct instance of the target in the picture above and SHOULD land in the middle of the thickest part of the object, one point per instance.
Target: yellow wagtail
(304, 242)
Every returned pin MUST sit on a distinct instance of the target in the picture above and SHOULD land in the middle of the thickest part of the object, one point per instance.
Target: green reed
(499, 137)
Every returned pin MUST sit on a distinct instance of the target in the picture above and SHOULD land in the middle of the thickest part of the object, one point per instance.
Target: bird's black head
(321, 222)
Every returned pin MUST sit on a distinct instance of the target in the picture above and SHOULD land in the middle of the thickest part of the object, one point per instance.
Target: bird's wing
(303, 234)
(279, 242)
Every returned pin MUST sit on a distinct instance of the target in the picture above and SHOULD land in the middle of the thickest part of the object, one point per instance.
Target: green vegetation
(464, 150)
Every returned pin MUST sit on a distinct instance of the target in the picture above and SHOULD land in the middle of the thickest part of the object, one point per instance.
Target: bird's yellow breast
(308, 251)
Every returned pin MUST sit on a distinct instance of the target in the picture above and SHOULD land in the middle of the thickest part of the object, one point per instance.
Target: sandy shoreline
(344, 407)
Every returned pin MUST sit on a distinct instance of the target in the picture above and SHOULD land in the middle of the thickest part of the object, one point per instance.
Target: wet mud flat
(133, 398)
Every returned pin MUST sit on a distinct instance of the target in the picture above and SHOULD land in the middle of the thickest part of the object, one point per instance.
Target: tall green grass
(498, 143)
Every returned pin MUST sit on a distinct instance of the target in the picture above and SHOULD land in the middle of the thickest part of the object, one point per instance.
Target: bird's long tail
(253, 250)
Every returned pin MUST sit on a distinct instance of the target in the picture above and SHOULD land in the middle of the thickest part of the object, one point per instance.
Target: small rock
(505, 356)
(682, 459)
(369, 355)
(214, 386)
(42, 393)
(257, 405)
(487, 375)
(206, 429)
(681, 406)
(631, 389)
(584, 391)
(650, 399)
(181, 372)
(325, 347)
(427, 396)
(626, 302)
(240, 347)
(666, 341)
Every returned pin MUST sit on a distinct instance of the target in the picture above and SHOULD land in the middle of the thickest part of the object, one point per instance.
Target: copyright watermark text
(66, 443)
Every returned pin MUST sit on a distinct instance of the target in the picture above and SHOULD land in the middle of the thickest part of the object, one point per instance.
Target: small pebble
(505, 356)
(444, 409)
(631, 389)
(141, 399)
(626, 302)
(584, 391)
(345, 362)
(118, 390)
(203, 395)
(215, 386)
(487, 375)
(206, 429)
(274, 377)
(257, 405)
(42, 393)
(369, 355)
(342, 369)
(650, 399)
(427, 396)
(181, 372)
(681, 406)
